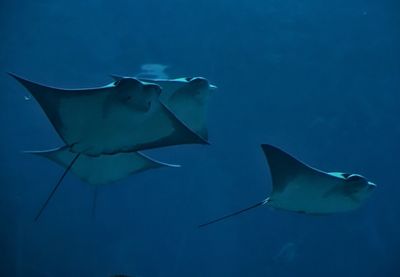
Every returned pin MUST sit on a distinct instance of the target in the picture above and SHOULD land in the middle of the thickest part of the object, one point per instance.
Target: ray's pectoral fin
(283, 167)
(47, 97)
(235, 213)
(37, 90)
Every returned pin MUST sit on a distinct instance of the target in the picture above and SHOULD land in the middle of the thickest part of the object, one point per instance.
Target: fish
(123, 116)
(298, 187)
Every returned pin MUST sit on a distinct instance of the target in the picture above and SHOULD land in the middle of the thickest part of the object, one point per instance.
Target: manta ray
(123, 116)
(104, 169)
(300, 188)
(104, 128)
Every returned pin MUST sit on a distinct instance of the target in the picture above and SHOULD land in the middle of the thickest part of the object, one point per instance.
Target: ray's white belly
(307, 196)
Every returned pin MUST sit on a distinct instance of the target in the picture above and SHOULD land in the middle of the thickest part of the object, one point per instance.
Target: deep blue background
(320, 79)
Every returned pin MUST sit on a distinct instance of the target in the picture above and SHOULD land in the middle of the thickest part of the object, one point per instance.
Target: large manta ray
(104, 128)
(300, 188)
(124, 116)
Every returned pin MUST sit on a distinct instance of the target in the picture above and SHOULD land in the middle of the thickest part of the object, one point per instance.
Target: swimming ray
(98, 170)
(124, 116)
(300, 188)
(104, 169)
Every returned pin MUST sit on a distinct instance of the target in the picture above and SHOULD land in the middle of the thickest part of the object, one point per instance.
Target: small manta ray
(300, 188)
(104, 169)
(103, 128)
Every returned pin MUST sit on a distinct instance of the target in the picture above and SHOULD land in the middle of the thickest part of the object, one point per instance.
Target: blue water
(318, 78)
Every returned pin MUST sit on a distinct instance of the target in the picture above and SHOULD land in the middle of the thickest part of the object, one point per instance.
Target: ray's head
(198, 88)
(199, 83)
(358, 185)
(137, 94)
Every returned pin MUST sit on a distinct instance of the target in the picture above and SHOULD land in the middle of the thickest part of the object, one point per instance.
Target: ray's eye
(117, 83)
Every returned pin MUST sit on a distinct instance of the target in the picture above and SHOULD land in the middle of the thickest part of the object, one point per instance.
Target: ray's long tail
(265, 201)
(57, 185)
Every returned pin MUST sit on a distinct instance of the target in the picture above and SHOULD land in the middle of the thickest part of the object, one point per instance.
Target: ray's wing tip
(268, 147)
(15, 76)
(28, 84)
(20, 79)
(202, 137)
(206, 142)
(42, 152)
(33, 152)
(170, 165)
